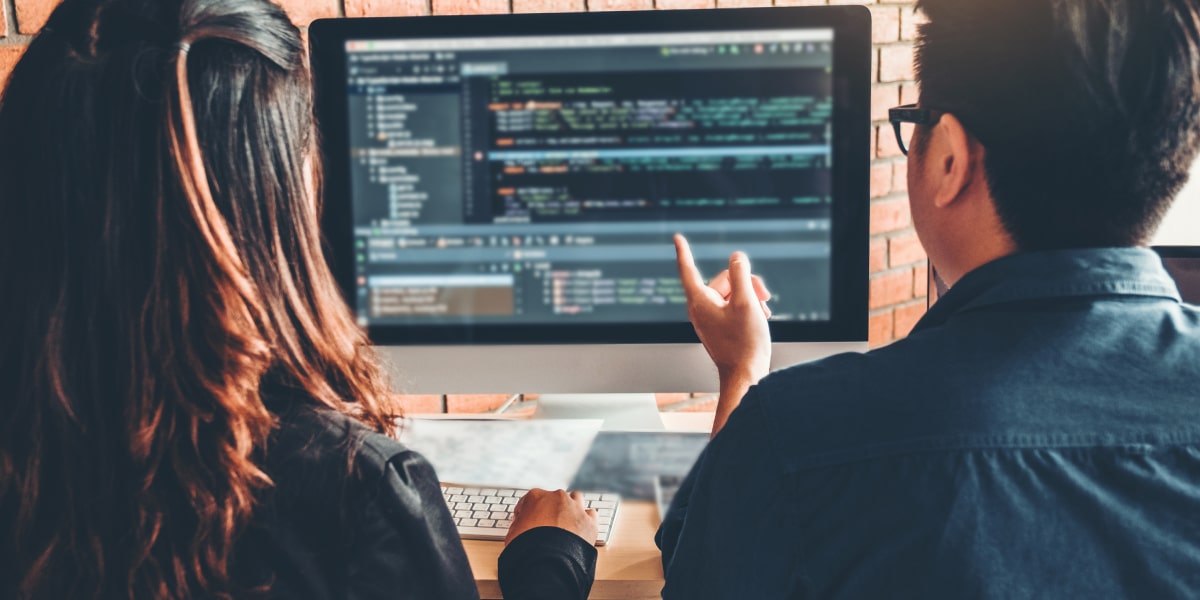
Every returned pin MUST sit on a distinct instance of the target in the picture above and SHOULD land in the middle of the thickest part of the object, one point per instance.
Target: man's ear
(955, 162)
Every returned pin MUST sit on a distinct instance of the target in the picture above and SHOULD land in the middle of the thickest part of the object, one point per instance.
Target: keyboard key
(500, 516)
(469, 523)
(487, 492)
(602, 504)
(591, 496)
(475, 499)
(481, 514)
(505, 524)
(502, 507)
(510, 501)
(463, 506)
(471, 491)
(452, 491)
(604, 512)
(480, 506)
(487, 523)
(458, 498)
(492, 500)
(462, 514)
(610, 497)
(504, 493)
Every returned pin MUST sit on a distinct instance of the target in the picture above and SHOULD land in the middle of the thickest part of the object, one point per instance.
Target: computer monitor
(501, 190)
(1183, 263)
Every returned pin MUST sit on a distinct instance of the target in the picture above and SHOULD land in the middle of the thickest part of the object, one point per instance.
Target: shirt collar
(1055, 274)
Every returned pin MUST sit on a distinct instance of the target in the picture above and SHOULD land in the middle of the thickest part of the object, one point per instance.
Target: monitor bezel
(851, 152)
(1177, 251)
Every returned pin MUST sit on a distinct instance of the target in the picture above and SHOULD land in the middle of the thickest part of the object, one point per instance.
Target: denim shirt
(1036, 436)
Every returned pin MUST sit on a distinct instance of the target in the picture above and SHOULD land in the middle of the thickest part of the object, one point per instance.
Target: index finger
(577, 496)
(692, 281)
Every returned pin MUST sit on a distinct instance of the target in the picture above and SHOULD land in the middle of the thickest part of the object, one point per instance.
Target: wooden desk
(629, 567)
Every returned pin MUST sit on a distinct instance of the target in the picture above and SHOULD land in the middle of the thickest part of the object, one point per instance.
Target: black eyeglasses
(911, 113)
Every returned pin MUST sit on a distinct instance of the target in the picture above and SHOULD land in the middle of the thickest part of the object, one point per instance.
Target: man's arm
(730, 316)
(731, 530)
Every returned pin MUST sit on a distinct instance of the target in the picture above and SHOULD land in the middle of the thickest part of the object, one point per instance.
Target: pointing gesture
(730, 317)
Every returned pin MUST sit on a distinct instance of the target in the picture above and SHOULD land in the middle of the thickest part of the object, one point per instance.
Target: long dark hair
(162, 267)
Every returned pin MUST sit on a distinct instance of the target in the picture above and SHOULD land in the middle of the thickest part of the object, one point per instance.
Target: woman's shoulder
(312, 435)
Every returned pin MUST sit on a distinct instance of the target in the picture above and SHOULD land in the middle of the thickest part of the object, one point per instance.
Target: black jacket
(355, 515)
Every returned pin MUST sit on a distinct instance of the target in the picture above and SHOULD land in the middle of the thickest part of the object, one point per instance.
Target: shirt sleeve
(547, 563)
(730, 530)
(405, 542)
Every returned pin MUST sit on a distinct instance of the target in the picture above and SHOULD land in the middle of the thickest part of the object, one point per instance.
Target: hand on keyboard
(540, 508)
(487, 513)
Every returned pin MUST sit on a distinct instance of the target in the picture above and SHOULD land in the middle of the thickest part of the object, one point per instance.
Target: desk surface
(629, 567)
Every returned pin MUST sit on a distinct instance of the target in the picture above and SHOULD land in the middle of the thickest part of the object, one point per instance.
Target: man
(1038, 434)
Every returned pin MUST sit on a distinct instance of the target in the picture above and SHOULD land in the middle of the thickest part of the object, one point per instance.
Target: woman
(188, 408)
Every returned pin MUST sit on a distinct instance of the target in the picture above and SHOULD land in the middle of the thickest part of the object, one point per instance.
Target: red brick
(909, 20)
(669, 399)
(887, 147)
(599, 5)
(469, 7)
(910, 93)
(885, 24)
(883, 97)
(742, 3)
(32, 14)
(800, 3)
(907, 317)
(548, 6)
(889, 215)
(475, 403)
(3, 20)
(386, 8)
(420, 403)
(905, 249)
(896, 63)
(921, 281)
(891, 288)
(303, 12)
(879, 329)
(9, 55)
(878, 255)
(881, 180)
(676, 4)
(900, 176)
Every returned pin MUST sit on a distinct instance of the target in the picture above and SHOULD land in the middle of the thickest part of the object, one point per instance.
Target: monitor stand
(621, 412)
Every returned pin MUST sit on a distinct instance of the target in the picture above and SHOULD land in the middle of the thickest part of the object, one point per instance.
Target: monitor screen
(528, 183)
(1183, 263)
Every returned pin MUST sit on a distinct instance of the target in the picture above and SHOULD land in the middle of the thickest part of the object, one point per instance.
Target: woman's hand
(540, 508)
(730, 316)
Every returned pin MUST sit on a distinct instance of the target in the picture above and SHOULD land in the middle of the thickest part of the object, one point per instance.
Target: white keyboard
(486, 513)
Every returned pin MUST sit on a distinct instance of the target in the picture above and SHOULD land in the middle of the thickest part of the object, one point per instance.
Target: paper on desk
(525, 454)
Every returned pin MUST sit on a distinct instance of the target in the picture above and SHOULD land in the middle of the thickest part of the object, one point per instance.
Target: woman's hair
(162, 269)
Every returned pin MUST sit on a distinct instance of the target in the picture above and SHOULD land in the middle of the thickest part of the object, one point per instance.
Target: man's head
(1076, 121)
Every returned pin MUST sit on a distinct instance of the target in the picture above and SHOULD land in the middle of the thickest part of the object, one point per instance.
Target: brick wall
(898, 265)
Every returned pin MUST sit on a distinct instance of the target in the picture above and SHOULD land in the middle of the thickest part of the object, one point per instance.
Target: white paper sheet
(525, 454)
